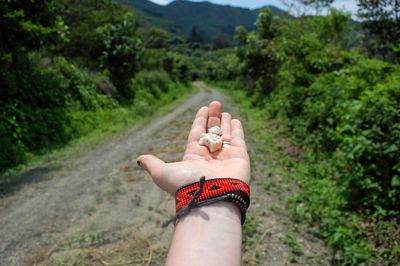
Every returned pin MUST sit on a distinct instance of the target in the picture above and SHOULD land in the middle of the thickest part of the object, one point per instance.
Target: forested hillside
(328, 83)
(208, 22)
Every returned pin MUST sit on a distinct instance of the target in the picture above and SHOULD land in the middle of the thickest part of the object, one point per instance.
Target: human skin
(210, 235)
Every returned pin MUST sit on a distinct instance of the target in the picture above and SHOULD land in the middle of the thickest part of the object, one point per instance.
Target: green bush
(353, 115)
(221, 66)
(344, 109)
(350, 119)
(153, 89)
(31, 114)
(179, 67)
(155, 82)
(81, 86)
(34, 111)
(12, 150)
(337, 102)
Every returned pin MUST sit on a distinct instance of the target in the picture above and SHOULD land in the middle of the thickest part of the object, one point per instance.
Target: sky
(347, 5)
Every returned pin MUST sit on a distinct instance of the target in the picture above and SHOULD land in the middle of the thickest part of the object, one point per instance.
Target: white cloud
(346, 5)
(161, 2)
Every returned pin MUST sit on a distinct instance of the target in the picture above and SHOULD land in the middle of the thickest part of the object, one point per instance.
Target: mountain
(206, 20)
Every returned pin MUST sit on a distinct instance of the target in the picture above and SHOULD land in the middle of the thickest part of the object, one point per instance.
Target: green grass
(295, 247)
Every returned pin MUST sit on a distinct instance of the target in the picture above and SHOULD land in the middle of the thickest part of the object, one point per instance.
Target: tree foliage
(381, 21)
(155, 38)
(27, 25)
(31, 99)
(48, 96)
(344, 109)
(83, 18)
(258, 53)
(122, 48)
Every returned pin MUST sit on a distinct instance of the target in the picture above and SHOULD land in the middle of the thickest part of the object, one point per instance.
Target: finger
(226, 126)
(152, 165)
(237, 134)
(238, 142)
(199, 125)
(214, 114)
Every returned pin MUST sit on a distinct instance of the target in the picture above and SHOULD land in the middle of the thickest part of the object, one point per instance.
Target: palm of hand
(232, 162)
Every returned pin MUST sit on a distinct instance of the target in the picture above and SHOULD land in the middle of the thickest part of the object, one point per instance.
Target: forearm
(209, 235)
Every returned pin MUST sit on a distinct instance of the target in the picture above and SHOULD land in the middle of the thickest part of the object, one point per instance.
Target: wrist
(217, 212)
(211, 230)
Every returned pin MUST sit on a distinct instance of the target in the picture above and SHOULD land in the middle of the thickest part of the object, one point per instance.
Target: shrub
(354, 116)
(31, 113)
(152, 89)
(34, 114)
(80, 86)
(345, 110)
(350, 119)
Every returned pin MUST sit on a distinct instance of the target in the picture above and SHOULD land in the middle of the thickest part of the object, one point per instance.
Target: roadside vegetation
(70, 67)
(336, 95)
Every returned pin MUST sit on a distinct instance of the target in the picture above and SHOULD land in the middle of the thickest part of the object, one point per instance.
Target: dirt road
(100, 208)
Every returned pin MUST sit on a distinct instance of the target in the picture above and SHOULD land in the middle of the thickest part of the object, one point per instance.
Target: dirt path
(100, 208)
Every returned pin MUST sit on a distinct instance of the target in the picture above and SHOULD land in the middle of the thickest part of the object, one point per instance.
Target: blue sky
(348, 5)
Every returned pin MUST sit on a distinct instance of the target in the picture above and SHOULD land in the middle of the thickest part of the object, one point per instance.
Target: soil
(99, 208)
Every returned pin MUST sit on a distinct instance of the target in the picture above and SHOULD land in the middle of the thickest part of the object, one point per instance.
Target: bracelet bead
(213, 190)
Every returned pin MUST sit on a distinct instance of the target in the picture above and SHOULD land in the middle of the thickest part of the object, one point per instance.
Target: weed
(291, 240)
(250, 236)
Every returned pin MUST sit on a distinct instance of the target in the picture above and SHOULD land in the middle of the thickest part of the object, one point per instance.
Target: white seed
(215, 130)
(212, 141)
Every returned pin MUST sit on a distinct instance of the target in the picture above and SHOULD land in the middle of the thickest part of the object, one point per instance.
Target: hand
(230, 162)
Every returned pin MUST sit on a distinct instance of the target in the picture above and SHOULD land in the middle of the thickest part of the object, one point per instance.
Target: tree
(25, 26)
(82, 17)
(381, 22)
(122, 49)
(221, 42)
(264, 24)
(196, 36)
(258, 53)
(155, 37)
(241, 35)
(28, 25)
(31, 100)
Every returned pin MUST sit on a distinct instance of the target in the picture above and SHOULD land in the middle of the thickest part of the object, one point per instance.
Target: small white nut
(215, 130)
(212, 141)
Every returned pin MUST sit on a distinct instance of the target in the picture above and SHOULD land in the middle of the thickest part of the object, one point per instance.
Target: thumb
(158, 170)
(152, 165)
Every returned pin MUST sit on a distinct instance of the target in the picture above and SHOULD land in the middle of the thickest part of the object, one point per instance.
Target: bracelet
(206, 192)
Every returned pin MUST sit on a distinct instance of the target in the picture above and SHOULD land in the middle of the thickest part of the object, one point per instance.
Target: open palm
(230, 162)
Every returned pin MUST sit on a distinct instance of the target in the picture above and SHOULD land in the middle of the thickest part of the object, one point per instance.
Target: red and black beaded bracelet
(206, 192)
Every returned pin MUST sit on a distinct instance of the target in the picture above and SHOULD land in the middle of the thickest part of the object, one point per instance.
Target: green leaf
(392, 148)
(395, 181)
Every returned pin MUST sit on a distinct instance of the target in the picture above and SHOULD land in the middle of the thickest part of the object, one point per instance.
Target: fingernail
(138, 163)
